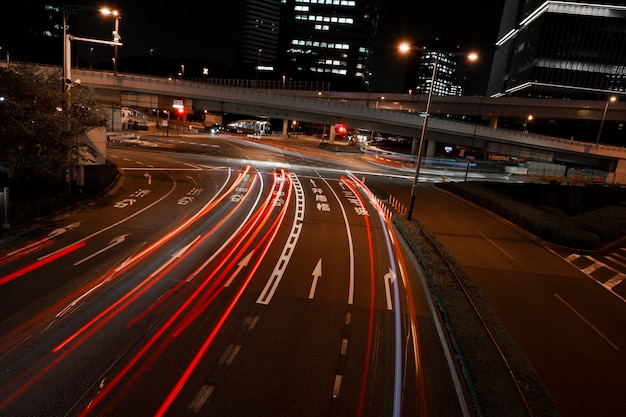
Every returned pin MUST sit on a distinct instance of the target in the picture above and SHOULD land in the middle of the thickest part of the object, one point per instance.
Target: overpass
(396, 114)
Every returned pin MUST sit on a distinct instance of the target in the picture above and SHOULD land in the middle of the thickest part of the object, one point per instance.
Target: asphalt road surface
(228, 277)
(228, 280)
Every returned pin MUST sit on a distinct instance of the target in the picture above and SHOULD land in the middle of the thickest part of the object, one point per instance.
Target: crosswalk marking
(596, 264)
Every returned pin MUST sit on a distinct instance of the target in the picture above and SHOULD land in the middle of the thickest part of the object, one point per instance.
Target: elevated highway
(395, 114)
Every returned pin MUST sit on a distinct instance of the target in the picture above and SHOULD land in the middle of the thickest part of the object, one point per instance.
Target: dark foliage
(582, 217)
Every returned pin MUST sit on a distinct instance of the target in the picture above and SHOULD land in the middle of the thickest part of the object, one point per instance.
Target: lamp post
(405, 48)
(6, 54)
(67, 39)
(528, 118)
(116, 33)
(606, 107)
(150, 62)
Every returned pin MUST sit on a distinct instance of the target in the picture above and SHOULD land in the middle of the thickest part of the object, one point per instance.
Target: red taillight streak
(185, 224)
(208, 235)
(207, 343)
(170, 322)
(410, 304)
(262, 215)
(127, 299)
(416, 339)
(237, 238)
(25, 249)
(41, 262)
(107, 276)
(370, 330)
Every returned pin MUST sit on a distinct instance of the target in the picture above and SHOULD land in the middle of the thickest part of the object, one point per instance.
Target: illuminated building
(446, 82)
(331, 40)
(569, 49)
(258, 33)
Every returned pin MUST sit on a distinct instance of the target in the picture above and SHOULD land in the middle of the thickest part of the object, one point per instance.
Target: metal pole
(5, 195)
(116, 39)
(66, 52)
(606, 107)
(409, 213)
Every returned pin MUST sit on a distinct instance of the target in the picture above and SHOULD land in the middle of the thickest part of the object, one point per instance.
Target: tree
(40, 125)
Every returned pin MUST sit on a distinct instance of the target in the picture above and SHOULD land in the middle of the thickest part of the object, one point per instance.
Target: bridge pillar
(285, 127)
(331, 134)
(430, 148)
(619, 176)
(493, 122)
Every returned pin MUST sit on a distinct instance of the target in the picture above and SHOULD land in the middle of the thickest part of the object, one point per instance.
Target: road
(237, 278)
(230, 279)
(569, 323)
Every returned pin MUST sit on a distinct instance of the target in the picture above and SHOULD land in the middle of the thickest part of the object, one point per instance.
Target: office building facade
(446, 81)
(330, 40)
(258, 33)
(568, 49)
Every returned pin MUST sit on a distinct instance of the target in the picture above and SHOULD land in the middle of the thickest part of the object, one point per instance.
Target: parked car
(213, 129)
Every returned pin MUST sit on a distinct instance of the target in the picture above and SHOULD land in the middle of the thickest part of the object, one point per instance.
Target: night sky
(207, 29)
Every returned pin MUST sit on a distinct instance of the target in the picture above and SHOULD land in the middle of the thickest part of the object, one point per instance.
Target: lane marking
(201, 398)
(350, 244)
(337, 386)
(495, 244)
(229, 354)
(390, 278)
(272, 284)
(588, 323)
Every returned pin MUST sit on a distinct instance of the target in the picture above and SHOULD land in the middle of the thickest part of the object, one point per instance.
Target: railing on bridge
(289, 85)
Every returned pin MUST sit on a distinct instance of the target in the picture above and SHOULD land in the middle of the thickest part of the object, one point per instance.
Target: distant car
(213, 129)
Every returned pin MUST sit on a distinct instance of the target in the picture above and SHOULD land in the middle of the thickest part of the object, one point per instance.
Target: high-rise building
(446, 78)
(258, 33)
(569, 49)
(330, 40)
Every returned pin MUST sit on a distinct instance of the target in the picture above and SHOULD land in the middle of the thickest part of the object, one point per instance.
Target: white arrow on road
(241, 265)
(317, 273)
(61, 230)
(390, 277)
(192, 179)
(114, 242)
(149, 178)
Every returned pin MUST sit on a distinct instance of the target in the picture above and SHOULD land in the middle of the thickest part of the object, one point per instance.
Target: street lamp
(116, 33)
(67, 39)
(405, 48)
(606, 107)
(528, 118)
(150, 62)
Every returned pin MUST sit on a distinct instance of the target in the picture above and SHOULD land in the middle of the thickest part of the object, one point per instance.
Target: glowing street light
(405, 48)
(116, 33)
(528, 118)
(606, 107)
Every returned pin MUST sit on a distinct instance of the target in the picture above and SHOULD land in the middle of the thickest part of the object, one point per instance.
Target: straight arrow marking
(317, 273)
(114, 242)
(241, 265)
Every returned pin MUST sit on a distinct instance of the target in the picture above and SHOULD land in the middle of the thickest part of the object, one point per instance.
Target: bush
(581, 217)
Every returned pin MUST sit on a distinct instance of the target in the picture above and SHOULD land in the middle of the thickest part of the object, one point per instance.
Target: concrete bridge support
(430, 148)
(331, 134)
(285, 127)
(619, 176)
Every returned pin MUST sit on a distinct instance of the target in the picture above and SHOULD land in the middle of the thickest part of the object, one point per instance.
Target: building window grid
(584, 58)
